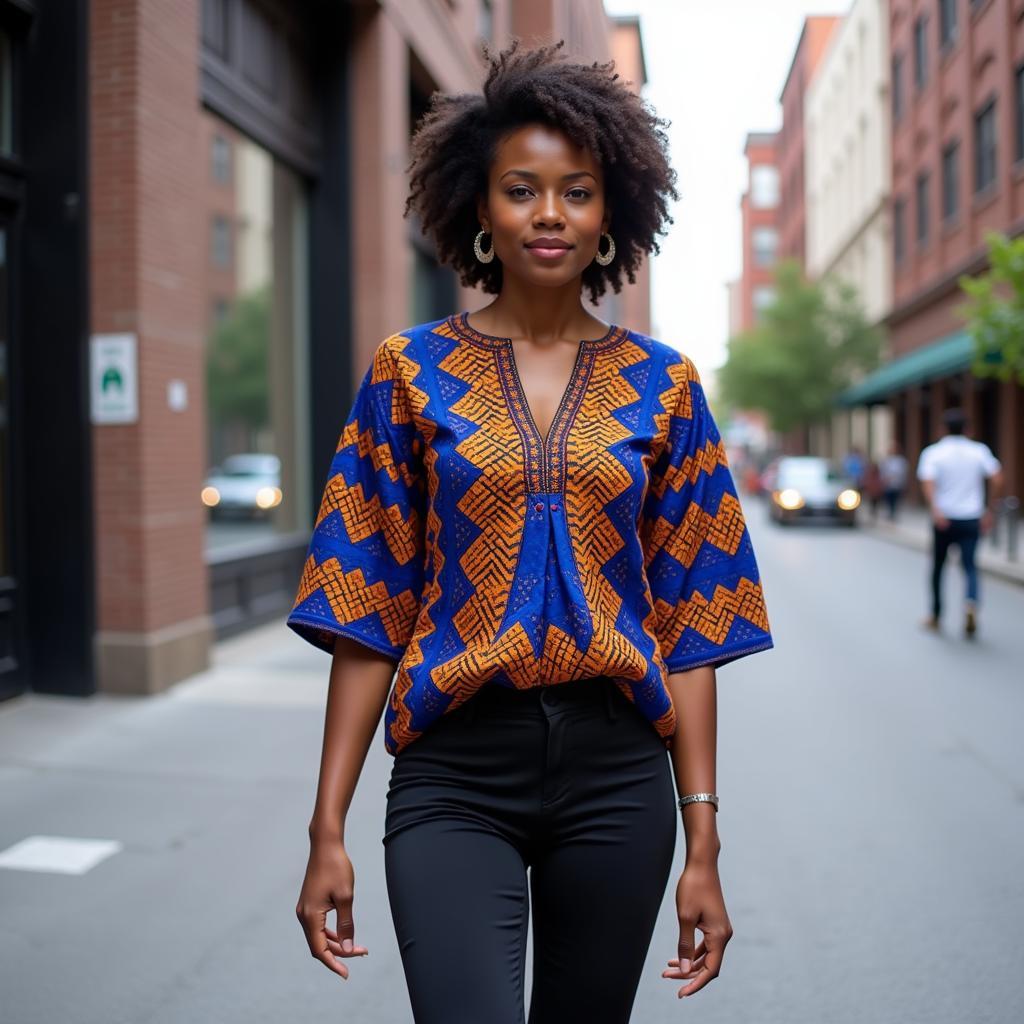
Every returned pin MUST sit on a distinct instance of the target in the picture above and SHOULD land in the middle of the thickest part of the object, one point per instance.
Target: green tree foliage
(810, 345)
(995, 310)
(236, 363)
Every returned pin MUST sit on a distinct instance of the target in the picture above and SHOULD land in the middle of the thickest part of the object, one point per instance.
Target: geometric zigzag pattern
(454, 539)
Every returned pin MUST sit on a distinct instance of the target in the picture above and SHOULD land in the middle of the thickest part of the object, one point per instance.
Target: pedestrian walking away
(953, 472)
(531, 559)
(893, 469)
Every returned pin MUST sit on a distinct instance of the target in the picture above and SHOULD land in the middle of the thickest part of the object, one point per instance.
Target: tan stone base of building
(145, 663)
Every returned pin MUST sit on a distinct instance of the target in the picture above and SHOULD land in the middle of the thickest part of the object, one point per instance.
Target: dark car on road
(810, 487)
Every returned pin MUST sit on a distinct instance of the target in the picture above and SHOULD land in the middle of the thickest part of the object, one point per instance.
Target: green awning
(942, 358)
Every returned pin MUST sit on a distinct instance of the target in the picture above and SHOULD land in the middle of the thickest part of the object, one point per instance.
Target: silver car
(811, 487)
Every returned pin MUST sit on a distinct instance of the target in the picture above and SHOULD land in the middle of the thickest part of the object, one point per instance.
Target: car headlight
(848, 500)
(790, 499)
(210, 496)
(268, 497)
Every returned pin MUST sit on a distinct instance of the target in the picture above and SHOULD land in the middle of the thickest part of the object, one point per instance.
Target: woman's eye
(519, 192)
(579, 193)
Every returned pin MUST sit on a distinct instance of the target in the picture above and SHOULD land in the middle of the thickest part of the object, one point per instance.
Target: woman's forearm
(357, 692)
(694, 752)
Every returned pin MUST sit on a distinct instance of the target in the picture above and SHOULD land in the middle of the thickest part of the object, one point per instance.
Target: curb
(1006, 571)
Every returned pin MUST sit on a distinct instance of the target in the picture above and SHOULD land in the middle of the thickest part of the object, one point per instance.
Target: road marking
(61, 854)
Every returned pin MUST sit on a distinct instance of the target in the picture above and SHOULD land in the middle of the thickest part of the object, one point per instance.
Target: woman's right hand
(328, 885)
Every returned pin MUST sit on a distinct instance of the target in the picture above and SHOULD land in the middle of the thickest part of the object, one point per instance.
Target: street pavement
(872, 819)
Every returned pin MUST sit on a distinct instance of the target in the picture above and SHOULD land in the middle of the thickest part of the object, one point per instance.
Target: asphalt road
(872, 786)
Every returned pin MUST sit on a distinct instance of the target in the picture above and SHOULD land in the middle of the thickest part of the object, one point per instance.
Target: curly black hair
(455, 142)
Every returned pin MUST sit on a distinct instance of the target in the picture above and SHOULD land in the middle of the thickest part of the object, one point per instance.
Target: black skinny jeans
(570, 781)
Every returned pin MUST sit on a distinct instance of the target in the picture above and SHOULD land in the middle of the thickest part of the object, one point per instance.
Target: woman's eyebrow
(532, 174)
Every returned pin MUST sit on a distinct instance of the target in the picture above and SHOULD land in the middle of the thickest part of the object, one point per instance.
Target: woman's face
(545, 206)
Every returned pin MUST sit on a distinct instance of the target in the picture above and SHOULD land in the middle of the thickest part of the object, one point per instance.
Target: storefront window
(256, 366)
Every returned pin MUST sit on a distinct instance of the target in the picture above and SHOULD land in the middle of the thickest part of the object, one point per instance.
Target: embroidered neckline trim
(459, 323)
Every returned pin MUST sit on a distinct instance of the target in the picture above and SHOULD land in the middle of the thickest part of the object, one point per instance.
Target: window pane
(950, 181)
(764, 186)
(985, 147)
(922, 208)
(921, 51)
(762, 297)
(765, 244)
(257, 482)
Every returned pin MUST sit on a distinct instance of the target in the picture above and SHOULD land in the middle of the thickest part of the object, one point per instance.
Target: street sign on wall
(114, 374)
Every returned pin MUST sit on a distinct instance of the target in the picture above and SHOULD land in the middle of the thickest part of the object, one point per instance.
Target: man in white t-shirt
(953, 472)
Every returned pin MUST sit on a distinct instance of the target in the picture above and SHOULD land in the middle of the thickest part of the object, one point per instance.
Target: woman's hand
(699, 904)
(328, 885)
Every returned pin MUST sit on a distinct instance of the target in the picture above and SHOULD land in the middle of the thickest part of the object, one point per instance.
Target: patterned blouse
(456, 540)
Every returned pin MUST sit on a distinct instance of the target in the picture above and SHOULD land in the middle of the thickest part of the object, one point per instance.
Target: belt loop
(610, 699)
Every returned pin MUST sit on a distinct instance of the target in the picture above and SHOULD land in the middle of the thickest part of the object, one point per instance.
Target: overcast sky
(716, 71)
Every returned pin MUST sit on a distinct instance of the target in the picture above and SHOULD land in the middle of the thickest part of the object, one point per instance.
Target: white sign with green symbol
(115, 378)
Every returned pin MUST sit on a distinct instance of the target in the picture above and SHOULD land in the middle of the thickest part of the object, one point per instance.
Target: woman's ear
(606, 222)
(482, 214)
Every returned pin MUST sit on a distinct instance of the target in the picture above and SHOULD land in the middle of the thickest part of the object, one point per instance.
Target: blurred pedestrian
(894, 471)
(872, 489)
(502, 482)
(953, 472)
(854, 466)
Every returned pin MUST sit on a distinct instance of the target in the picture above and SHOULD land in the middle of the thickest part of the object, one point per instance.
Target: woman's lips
(548, 250)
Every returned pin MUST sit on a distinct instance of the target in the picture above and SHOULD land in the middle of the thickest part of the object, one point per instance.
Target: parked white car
(245, 484)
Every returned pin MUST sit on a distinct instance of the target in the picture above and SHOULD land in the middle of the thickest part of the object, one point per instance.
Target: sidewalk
(161, 844)
(913, 529)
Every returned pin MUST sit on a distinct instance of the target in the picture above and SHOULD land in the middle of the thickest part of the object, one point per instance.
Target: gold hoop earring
(606, 258)
(483, 257)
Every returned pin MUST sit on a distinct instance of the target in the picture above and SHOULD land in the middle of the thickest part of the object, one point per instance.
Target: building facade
(957, 107)
(810, 48)
(218, 185)
(848, 174)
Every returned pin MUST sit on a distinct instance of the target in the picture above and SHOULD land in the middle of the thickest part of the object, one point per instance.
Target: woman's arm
(357, 692)
(699, 900)
(358, 688)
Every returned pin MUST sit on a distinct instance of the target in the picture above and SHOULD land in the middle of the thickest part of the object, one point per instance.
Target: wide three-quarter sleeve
(364, 571)
(708, 601)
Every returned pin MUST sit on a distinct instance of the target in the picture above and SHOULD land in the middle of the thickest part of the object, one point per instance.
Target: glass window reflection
(256, 348)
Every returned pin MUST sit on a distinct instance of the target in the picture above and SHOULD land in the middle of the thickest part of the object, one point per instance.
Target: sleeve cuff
(720, 657)
(322, 634)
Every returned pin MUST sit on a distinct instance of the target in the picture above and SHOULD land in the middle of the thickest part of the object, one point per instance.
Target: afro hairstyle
(455, 141)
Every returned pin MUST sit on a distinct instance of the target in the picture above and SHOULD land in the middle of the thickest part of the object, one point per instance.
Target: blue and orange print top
(457, 541)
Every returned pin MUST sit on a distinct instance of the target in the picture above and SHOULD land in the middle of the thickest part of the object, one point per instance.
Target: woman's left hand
(700, 905)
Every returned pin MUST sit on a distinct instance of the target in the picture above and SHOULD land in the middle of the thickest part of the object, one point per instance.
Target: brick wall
(146, 257)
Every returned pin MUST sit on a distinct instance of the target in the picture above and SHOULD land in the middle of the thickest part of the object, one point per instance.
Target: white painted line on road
(62, 854)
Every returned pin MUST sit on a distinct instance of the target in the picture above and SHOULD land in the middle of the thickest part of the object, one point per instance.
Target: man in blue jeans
(953, 472)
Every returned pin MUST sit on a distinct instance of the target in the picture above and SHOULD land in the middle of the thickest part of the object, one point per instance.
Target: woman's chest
(488, 421)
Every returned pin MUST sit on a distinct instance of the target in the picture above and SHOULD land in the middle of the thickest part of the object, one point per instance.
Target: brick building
(848, 178)
(217, 186)
(810, 48)
(957, 95)
(759, 215)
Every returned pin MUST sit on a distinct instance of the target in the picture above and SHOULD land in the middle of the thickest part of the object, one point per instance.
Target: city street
(872, 818)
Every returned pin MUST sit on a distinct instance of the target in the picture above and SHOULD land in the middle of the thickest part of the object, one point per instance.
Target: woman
(530, 524)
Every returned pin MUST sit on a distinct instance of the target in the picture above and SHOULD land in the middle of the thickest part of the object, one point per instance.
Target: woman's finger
(357, 950)
(697, 953)
(709, 970)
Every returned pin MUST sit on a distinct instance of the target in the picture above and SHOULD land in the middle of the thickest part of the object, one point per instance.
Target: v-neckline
(545, 455)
